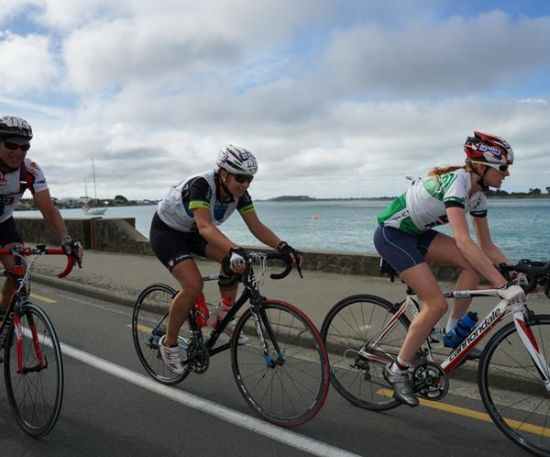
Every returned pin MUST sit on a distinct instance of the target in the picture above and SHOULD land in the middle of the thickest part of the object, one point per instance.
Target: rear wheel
(149, 322)
(33, 371)
(350, 332)
(513, 390)
(289, 385)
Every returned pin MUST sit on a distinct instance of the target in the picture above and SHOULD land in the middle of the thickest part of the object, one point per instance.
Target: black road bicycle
(282, 370)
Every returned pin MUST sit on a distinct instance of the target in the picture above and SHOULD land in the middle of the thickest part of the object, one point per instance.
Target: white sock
(451, 323)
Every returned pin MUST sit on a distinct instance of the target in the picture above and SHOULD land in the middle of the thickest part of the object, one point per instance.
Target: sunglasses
(243, 178)
(14, 146)
(496, 166)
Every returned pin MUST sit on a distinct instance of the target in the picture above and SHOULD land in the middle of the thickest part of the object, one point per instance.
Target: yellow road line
(460, 411)
(43, 299)
(143, 328)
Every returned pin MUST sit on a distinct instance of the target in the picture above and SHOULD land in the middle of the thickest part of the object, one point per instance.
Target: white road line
(214, 409)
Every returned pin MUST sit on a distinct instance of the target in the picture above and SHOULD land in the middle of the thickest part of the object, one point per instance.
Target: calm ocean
(519, 227)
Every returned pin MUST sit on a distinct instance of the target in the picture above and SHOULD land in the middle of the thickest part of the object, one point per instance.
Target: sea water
(518, 226)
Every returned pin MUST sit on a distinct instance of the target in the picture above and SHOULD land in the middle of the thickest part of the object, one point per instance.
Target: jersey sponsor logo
(485, 325)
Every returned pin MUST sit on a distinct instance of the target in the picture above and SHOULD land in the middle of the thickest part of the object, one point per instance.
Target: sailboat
(87, 208)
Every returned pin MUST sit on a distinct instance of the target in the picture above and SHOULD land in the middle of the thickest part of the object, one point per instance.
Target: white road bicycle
(365, 332)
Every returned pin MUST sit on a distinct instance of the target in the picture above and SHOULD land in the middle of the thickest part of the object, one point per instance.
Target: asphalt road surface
(111, 407)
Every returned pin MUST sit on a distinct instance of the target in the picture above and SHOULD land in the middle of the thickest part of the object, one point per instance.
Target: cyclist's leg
(173, 248)
(9, 237)
(443, 250)
(227, 294)
(188, 275)
(405, 253)
(422, 280)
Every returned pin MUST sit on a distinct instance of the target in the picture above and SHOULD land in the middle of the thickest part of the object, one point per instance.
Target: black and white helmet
(237, 160)
(11, 126)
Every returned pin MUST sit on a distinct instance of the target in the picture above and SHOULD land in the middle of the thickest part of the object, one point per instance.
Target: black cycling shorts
(172, 246)
(9, 233)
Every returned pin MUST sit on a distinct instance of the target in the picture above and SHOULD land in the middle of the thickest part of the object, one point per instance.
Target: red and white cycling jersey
(13, 186)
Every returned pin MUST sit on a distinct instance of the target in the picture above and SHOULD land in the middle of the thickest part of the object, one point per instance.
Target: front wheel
(512, 389)
(33, 371)
(357, 354)
(288, 385)
(149, 322)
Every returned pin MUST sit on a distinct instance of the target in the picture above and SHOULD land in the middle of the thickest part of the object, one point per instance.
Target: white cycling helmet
(13, 126)
(236, 160)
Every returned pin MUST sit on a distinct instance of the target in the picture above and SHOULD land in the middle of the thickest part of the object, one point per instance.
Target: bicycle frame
(503, 308)
(21, 278)
(250, 293)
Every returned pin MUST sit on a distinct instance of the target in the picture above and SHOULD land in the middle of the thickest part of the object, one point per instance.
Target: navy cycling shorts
(402, 250)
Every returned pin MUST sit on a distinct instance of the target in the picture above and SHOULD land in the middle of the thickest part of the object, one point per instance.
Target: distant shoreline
(303, 198)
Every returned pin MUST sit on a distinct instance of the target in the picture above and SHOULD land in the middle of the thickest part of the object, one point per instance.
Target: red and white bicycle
(365, 332)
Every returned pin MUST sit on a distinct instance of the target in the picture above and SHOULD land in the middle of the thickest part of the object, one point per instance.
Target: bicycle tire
(36, 395)
(512, 390)
(292, 392)
(349, 326)
(149, 321)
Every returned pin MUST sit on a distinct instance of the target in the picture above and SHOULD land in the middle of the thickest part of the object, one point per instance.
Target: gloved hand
(73, 248)
(513, 293)
(290, 253)
(237, 260)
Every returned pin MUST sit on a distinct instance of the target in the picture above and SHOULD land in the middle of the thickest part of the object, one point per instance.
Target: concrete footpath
(119, 278)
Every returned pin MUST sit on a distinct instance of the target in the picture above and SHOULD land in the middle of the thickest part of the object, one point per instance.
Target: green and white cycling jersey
(425, 203)
(199, 191)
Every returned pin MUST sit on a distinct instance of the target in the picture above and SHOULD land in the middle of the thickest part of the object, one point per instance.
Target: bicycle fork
(530, 342)
(270, 362)
(21, 369)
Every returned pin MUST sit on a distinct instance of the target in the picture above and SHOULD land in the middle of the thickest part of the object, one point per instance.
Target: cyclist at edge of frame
(17, 174)
(186, 222)
(406, 240)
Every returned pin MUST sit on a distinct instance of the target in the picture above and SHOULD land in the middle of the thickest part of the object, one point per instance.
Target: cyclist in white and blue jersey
(405, 238)
(186, 222)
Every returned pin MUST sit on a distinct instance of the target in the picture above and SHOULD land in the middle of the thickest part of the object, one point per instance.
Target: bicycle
(33, 366)
(282, 371)
(365, 332)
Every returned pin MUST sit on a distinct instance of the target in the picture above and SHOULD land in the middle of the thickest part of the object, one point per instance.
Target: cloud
(333, 101)
(27, 64)
(455, 56)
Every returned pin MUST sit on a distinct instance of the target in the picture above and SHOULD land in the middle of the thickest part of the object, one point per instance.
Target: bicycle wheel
(290, 386)
(149, 321)
(350, 326)
(512, 389)
(34, 381)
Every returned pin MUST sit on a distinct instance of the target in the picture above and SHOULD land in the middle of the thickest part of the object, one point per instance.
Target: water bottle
(201, 311)
(463, 328)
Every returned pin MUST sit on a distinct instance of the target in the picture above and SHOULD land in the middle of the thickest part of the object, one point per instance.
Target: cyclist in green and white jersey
(406, 240)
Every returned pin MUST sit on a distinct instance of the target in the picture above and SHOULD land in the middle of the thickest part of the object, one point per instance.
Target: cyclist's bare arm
(470, 249)
(210, 232)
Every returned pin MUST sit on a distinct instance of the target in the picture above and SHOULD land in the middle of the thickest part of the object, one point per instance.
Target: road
(112, 408)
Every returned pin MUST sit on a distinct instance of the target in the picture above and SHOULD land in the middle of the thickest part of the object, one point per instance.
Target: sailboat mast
(93, 177)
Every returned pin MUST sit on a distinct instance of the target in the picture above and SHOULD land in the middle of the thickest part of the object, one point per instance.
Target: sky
(335, 98)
